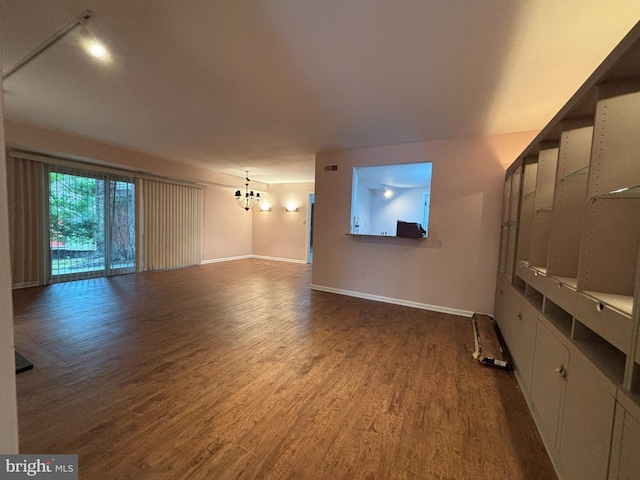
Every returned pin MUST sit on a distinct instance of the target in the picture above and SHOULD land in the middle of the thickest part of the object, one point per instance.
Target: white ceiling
(265, 84)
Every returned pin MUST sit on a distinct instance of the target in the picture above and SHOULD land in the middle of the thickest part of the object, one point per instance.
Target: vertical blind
(171, 224)
(69, 222)
(28, 230)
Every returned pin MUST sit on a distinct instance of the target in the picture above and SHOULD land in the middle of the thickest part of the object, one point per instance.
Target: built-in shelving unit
(576, 238)
(527, 208)
(570, 204)
(509, 228)
(543, 207)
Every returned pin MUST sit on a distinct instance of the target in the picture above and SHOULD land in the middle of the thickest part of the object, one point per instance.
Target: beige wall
(227, 228)
(227, 231)
(455, 267)
(8, 409)
(281, 234)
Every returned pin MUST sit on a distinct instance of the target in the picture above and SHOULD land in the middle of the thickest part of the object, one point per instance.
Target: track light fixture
(59, 35)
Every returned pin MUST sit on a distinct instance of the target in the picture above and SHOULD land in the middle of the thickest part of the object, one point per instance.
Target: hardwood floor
(239, 370)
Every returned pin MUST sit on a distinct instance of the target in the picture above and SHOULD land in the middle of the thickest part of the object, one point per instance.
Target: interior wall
(363, 210)
(405, 205)
(455, 266)
(8, 407)
(278, 233)
(225, 234)
(226, 230)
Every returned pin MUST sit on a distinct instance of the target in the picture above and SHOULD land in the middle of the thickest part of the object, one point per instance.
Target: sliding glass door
(91, 225)
(121, 227)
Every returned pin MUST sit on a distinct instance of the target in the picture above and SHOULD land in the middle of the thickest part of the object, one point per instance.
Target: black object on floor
(22, 364)
(490, 346)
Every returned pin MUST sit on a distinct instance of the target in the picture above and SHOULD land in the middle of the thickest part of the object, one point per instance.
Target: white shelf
(514, 204)
(626, 193)
(546, 178)
(506, 201)
(581, 172)
(575, 151)
(609, 247)
(609, 359)
(539, 244)
(526, 226)
(529, 180)
(614, 159)
(570, 203)
(570, 281)
(621, 303)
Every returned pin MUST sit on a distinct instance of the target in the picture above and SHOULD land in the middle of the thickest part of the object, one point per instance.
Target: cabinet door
(549, 382)
(625, 452)
(523, 343)
(507, 308)
(587, 422)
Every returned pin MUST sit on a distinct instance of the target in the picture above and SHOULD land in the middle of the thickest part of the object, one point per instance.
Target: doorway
(310, 230)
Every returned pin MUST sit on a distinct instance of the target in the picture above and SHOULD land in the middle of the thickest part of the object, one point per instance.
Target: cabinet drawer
(613, 326)
(562, 295)
(532, 277)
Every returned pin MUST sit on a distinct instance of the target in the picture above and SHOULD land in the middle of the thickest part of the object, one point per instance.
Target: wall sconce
(291, 207)
(265, 207)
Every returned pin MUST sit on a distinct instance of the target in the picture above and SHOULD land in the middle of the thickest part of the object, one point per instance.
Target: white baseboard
(242, 257)
(395, 301)
(17, 286)
(225, 259)
(278, 259)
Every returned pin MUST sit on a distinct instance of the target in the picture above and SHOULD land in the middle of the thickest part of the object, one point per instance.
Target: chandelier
(249, 200)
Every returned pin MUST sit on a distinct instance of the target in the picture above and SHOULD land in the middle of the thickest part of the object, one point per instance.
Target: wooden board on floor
(490, 348)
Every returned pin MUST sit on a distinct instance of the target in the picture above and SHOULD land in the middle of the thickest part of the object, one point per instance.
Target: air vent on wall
(329, 168)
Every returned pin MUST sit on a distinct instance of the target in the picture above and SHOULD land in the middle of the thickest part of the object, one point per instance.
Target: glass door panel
(76, 225)
(91, 225)
(121, 218)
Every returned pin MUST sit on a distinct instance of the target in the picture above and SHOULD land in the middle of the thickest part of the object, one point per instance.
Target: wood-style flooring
(238, 370)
